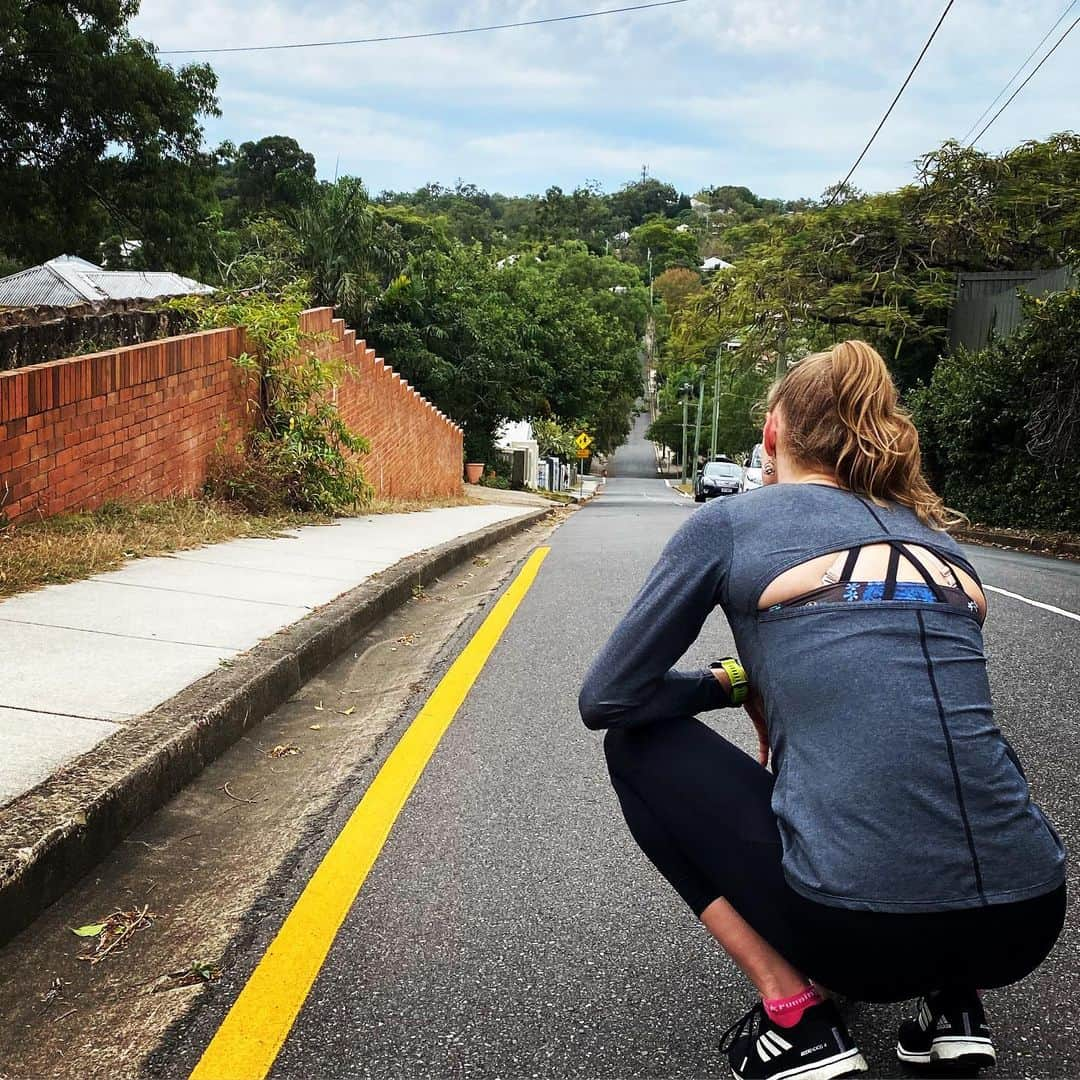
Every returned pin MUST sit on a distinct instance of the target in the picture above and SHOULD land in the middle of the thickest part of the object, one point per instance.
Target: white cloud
(355, 133)
(580, 153)
(777, 94)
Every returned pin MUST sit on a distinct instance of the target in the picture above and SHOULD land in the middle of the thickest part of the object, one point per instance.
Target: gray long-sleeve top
(895, 790)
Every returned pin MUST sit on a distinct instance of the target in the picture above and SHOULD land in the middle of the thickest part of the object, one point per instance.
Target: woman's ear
(768, 436)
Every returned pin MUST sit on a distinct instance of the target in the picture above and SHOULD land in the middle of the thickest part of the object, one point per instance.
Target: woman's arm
(631, 681)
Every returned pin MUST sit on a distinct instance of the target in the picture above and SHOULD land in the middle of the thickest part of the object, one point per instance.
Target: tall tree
(348, 250)
(668, 247)
(273, 174)
(548, 338)
(883, 266)
(676, 286)
(87, 116)
(634, 203)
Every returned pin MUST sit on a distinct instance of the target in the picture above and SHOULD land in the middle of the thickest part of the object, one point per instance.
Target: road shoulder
(214, 863)
(53, 834)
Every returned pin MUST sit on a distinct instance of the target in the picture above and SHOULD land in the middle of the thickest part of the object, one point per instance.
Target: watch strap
(736, 673)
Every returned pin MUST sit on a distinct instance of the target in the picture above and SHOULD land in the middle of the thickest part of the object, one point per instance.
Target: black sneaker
(818, 1047)
(948, 1029)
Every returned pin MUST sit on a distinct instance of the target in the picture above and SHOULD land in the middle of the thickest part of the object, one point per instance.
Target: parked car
(718, 478)
(752, 472)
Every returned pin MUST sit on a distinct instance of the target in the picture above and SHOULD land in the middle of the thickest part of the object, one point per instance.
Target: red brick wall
(416, 451)
(138, 422)
(141, 422)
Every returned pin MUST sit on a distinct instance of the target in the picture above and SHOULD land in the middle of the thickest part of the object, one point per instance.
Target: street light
(730, 345)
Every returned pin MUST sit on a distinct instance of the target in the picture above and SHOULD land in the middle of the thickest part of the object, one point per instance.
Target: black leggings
(700, 809)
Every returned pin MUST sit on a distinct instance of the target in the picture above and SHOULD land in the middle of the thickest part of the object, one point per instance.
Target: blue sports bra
(927, 591)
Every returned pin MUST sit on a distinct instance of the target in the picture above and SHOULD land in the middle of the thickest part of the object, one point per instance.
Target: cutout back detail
(885, 571)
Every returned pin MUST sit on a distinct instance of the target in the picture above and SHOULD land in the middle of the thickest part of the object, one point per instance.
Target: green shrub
(302, 456)
(999, 427)
(497, 474)
(257, 482)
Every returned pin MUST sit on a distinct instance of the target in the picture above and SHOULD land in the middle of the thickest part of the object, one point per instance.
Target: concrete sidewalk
(80, 661)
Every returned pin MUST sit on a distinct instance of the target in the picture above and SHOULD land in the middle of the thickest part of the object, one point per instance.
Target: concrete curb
(1007, 538)
(676, 490)
(659, 458)
(53, 834)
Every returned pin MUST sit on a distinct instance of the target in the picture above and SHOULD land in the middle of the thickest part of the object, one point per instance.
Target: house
(713, 262)
(510, 260)
(68, 281)
(515, 439)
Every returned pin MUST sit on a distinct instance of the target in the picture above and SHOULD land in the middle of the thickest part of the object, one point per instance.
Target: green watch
(740, 684)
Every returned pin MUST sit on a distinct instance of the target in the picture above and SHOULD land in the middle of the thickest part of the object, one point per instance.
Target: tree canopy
(272, 174)
(96, 136)
(545, 338)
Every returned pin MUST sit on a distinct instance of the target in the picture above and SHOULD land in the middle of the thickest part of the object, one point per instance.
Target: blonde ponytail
(842, 413)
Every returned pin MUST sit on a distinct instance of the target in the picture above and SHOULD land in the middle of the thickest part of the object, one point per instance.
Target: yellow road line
(248, 1041)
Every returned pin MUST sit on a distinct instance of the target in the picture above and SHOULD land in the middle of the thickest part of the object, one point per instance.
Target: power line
(888, 111)
(430, 33)
(1026, 81)
(1005, 88)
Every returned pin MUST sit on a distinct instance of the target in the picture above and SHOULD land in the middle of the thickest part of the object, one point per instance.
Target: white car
(752, 472)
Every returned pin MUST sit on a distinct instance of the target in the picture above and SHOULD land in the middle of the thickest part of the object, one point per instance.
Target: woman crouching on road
(894, 852)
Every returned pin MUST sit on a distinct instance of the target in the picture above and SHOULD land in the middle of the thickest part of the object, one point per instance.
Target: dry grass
(70, 547)
(408, 506)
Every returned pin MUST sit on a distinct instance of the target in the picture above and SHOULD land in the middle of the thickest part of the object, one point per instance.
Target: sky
(778, 95)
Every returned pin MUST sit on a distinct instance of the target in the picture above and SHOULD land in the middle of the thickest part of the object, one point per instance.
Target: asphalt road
(636, 457)
(511, 928)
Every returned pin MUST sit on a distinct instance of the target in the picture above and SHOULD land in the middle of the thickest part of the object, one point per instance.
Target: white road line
(1034, 603)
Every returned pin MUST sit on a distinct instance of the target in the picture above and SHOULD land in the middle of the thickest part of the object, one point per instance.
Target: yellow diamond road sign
(583, 441)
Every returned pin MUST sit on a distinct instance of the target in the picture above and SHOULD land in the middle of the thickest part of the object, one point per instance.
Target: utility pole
(700, 408)
(685, 404)
(648, 255)
(713, 444)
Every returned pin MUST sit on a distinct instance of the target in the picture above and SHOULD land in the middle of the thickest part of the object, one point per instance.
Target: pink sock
(787, 1012)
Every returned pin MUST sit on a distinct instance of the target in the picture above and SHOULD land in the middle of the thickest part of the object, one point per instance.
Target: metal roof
(68, 280)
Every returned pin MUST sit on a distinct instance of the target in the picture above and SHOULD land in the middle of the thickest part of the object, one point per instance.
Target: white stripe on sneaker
(765, 1051)
(774, 1038)
(770, 1040)
(837, 1065)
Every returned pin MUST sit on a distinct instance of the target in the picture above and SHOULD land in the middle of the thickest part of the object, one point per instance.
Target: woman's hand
(756, 709)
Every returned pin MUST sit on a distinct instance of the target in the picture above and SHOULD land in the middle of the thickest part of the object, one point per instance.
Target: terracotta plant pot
(473, 471)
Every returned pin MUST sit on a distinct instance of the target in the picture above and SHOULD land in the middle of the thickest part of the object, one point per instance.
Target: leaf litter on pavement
(200, 973)
(53, 992)
(114, 932)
